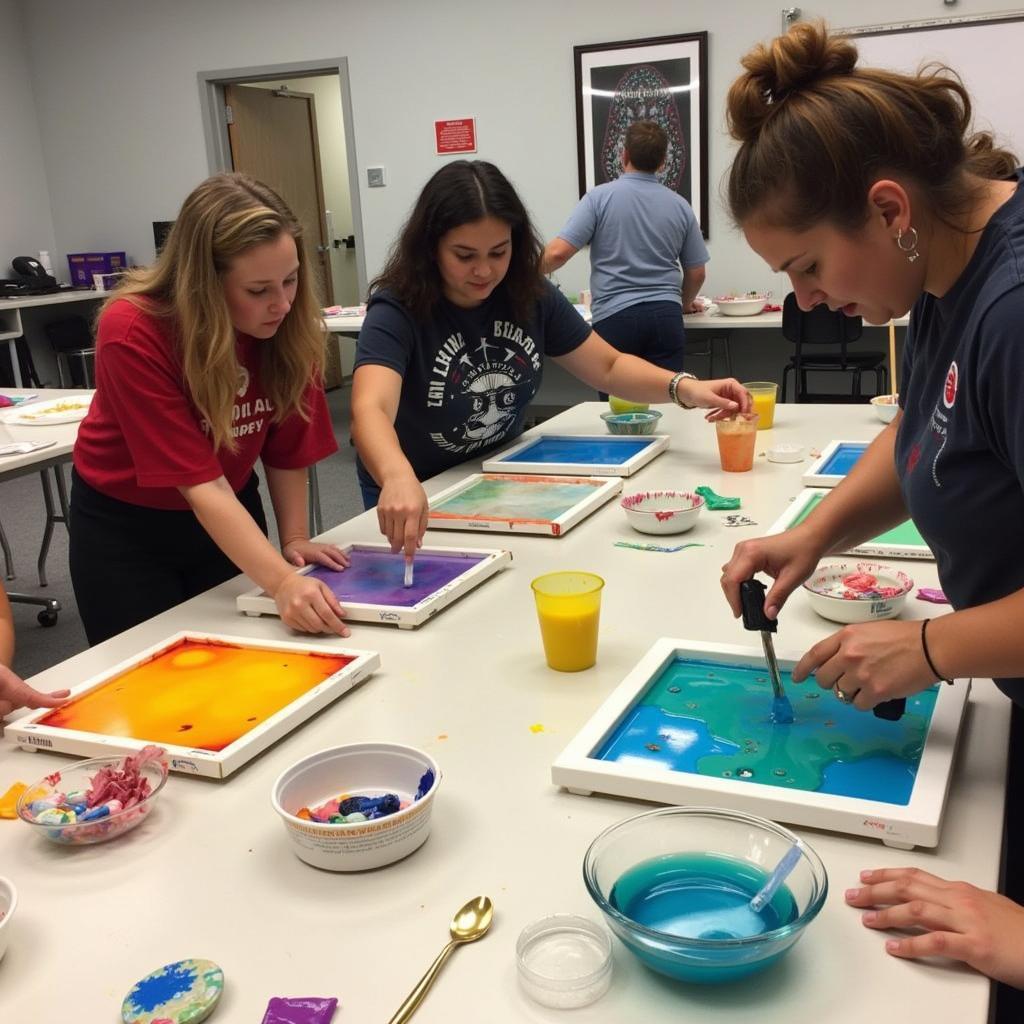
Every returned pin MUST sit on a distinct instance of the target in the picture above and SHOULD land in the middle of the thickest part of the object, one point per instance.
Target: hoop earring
(910, 251)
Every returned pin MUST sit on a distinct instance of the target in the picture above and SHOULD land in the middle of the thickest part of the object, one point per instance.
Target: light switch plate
(376, 177)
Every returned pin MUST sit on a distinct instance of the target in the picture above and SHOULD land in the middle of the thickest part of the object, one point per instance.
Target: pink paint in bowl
(662, 512)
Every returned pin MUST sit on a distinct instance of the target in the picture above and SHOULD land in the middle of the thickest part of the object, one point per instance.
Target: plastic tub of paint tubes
(59, 806)
(370, 770)
(564, 961)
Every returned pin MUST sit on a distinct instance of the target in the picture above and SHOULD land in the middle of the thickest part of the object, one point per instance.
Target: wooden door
(273, 138)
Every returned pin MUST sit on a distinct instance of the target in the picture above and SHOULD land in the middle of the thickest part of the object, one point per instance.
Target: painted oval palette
(185, 992)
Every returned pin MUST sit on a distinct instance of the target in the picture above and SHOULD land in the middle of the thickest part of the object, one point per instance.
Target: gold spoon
(469, 924)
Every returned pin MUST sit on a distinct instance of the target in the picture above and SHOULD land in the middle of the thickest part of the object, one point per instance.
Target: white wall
(26, 224)
(118, 105)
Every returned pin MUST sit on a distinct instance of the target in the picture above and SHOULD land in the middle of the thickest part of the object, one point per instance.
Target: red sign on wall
(455, 136)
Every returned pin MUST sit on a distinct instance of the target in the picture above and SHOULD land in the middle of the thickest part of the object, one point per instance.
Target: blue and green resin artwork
(708, 718)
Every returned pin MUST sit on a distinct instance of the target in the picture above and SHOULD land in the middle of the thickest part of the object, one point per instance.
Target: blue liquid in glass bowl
(675, 886)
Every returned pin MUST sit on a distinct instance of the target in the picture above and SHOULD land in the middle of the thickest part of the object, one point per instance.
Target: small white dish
(8, 905)
(850, 592)
(662, 511)
(886, 407)
(746, 305)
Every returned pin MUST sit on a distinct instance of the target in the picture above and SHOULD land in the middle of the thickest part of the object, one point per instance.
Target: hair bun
(788, 64)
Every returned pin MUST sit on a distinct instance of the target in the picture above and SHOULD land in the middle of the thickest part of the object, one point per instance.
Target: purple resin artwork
(376, 577)
(309, 1010)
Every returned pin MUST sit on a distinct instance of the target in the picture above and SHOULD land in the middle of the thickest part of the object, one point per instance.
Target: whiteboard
(983, 52)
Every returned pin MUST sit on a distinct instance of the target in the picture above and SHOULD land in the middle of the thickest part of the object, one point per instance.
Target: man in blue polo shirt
(647, 255)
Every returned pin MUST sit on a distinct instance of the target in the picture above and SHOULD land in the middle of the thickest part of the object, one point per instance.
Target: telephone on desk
(29, 279)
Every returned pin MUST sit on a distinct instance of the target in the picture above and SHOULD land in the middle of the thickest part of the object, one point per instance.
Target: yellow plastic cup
(764, 393)
(569, 609)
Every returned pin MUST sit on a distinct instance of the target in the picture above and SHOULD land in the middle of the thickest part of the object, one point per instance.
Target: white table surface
(211, 874)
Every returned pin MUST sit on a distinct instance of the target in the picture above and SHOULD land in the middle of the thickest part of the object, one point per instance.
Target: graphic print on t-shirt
(482, 386)
(938, 428)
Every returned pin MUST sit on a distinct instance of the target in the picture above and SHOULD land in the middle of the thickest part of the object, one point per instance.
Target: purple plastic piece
(376, 577)
(931, 594)
(308, 1010)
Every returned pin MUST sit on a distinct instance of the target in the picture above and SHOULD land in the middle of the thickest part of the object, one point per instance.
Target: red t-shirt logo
(949, 388)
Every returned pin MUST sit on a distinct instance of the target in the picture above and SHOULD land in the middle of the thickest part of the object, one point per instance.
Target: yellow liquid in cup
(570, 633)
(764, 406)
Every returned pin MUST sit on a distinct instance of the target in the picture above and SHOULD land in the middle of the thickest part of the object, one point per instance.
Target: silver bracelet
(673, 388)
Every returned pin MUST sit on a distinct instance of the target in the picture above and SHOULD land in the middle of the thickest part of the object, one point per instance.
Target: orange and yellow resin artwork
(201, 694)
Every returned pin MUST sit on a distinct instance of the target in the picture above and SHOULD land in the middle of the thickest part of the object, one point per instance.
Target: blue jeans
(370, 492)
(651, 330)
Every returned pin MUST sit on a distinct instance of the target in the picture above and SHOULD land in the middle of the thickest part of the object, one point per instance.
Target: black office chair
(50, 605)
(822, 329)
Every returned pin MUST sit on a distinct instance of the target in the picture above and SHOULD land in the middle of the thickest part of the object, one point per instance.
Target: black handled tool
(752, 602)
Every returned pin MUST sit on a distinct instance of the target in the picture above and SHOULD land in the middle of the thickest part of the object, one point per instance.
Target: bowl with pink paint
(312, 798)
(662, 511)
(886, 407)
(851, 592)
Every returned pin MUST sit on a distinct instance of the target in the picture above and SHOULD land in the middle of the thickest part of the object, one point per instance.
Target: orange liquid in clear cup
(736, 438)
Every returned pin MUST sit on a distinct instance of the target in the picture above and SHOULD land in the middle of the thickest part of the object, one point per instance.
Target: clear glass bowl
(673, 831)
(78, 777)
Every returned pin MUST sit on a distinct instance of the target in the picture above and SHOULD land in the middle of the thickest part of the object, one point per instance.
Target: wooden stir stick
(892, 357)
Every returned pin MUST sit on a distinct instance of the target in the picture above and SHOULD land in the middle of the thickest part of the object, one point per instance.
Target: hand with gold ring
(843, 696)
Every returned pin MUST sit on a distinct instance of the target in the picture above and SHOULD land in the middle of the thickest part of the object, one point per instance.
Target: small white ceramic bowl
(8, 905)
(662, 511)
(745, 306)
(886, 407)
(858, 591)
(366, 769)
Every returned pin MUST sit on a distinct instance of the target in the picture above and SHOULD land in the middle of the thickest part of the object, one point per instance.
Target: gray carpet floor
(21, 511)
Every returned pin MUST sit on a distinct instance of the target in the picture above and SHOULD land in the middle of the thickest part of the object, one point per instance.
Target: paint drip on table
(708, 718)
(349, 808)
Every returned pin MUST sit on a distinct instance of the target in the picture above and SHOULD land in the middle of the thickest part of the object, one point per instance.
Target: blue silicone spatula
(752, 601)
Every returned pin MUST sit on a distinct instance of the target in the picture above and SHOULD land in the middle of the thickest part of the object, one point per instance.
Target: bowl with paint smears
(675, 885)
(61, 807)
(741, 305)
(851, 592)
(662, 511)
(886, 407)
(8, 905)
(376, 771)
(631, 422)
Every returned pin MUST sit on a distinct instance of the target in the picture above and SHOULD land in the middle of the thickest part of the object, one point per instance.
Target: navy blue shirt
(960, 447)
(468, 374)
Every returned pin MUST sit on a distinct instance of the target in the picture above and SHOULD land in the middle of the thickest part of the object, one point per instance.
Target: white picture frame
(511, 459)
(599, 490)
(29, 733)
(878, 547)
(917, 823)
(481, 564)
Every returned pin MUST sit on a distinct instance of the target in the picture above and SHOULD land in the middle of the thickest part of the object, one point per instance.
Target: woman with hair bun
(869, 189)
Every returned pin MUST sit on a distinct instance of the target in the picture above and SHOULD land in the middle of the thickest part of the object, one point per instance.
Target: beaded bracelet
(927, 657)
(673, 388)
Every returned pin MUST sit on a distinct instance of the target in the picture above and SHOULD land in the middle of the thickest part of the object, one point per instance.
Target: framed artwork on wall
(662, 79)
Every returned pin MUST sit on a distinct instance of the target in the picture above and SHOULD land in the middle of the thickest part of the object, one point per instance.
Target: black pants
(129, 563)
(652, 330)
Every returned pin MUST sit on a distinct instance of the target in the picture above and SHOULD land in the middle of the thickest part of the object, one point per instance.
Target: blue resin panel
(586, 451)
(842, 460)
(709, 718)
